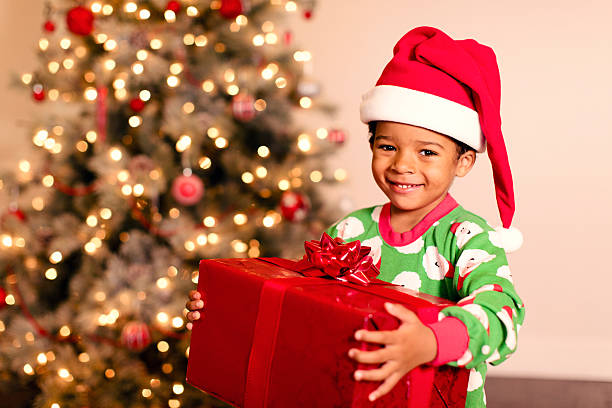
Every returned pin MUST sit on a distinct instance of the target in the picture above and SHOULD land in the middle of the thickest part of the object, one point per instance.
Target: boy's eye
(427, 152)
(386, 147)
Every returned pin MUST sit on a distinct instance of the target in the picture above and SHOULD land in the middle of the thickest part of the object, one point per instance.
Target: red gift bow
(346, 262)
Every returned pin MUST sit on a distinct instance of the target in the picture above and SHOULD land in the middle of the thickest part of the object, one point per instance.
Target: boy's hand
(405, 348)
(195, 304)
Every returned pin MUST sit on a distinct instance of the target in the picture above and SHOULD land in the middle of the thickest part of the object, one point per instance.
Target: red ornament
(2, 297)
(137, 104)
(38, 92)
(287, 37)
(308, 14)
(173, 5)
(231, 9)
(336, 136)
(294, 206)
(80, 20)
(187, 190)
(243, 107)
(17, 213)
(49, 26)
(135, 336)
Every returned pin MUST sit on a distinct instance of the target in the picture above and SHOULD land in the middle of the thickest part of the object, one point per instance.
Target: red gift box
(271, 337)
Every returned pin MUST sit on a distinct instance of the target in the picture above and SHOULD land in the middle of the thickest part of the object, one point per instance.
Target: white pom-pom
(511, 238)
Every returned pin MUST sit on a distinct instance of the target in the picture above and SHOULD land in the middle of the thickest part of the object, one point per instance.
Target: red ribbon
(346, 262)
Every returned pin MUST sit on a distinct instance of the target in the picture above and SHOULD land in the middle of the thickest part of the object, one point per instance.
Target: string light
(221, 142)
(145, 95)
(174, 213)
(183, 143)
(163, 346)
(24, 166)
(41, 358)
(80, 51)
(263, 151)
(7, 240)
(68, 63)
(107, 10)
(173, 81)
(204, 163)
(137, 68)
(258, 40)
(115, 154)
(38, 203)
(271, 38)
(96, 7)
(304, 143)
(55, 257)
(65, 43)
(141, 55)
(146, 393)
(53, 67)
(290, 6)
(208, 86)
(144, 14)
(261, 171)
(91, 136)
(316, 176)
(267, 26)
(209, 221)
(322, 133)
(130, 7)
(212, 132)
(90, 93)
(240, 219)
(82, 146)
(163, 283)
(26, 78)
(192, 11)
(242, 20)
(201, 239)
(177, 322)
(239, 246)
(29, 371)
(176, 68)
(110, 45)
(229, 75)
(247, 177)
(233, 89)
(106, 213)
(201, 40)
(190, 246)
(43, 44)
(283, 184)
(188, 39)
(305, 102)
(135, 121)
(156, 44)
(138, 190)
(170, 16)
(213, 238)
(340, 174)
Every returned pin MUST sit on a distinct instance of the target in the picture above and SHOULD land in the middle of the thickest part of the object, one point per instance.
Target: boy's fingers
(369, 357)
(386, 386)
(195, 305)
(401, 312)
(380, 337)
(378, 374)
(192, 316)
(195, 295)
(189, 325)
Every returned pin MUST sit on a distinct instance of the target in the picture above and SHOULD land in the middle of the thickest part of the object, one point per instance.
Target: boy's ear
(465, 163)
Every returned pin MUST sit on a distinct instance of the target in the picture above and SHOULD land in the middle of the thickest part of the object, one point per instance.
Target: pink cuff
(452, 337)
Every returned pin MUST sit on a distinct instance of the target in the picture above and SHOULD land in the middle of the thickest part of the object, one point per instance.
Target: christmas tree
(163, 135)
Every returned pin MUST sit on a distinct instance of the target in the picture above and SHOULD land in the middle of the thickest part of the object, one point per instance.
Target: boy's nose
(403, 164)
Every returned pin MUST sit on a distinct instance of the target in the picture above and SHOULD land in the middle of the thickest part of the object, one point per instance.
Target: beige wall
(555, 59)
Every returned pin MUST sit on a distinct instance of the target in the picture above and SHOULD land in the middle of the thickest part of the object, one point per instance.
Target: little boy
(435, 105)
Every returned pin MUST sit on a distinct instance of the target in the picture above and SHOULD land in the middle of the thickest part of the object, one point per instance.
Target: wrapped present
(276, 333)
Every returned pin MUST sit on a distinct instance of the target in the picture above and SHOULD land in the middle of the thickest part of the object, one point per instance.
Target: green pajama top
(454, 254)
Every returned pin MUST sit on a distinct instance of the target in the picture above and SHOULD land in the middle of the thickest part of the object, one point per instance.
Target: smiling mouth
(403, 187)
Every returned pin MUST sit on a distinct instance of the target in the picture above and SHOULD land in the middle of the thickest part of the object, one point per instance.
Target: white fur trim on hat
(404, 105)
(511, 238)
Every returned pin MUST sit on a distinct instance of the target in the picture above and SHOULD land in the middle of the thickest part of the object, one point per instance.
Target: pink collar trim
(400, 239)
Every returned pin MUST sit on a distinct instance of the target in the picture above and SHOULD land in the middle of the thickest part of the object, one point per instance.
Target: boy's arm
(490, 309)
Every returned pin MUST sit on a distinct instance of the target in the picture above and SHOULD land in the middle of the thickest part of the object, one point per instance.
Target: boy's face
(415, 167)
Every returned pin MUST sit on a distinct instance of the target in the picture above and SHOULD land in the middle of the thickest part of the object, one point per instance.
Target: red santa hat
(451, 87)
